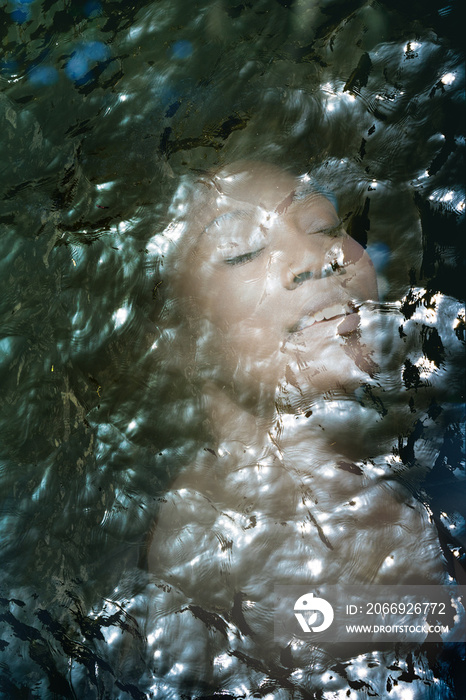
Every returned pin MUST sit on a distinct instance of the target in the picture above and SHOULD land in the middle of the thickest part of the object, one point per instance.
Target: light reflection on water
(109, 111)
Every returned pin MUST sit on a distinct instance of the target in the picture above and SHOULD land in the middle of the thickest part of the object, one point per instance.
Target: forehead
(258, 185)
(254, 188)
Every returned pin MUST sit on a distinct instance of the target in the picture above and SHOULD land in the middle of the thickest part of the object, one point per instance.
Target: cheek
(363, 279)
(229, 299)
(352, 251)
(369, 278)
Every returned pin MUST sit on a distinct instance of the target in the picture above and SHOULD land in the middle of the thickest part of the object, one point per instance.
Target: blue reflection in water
(9, 67)
(380, 255)
(20, 15)
(93, 8)
(43, 75)
(83, 58)
(182, 49)
(21, 12)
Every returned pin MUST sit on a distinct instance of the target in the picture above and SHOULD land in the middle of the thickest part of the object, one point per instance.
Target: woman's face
(279, 281)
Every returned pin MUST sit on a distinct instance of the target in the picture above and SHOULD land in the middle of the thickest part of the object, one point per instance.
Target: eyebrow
(294, 195)
(235, 214)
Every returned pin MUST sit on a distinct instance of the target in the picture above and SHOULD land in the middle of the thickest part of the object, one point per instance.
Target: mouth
(329, 313)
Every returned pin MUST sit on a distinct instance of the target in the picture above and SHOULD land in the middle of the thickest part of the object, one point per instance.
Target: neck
(333, 428)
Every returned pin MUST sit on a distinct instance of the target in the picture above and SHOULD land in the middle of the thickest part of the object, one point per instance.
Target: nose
(304, 258)
(317, 256)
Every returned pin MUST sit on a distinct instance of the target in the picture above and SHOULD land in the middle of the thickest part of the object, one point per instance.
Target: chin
(335, 374)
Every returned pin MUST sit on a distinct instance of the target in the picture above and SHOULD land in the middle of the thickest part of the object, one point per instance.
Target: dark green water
(105, 108)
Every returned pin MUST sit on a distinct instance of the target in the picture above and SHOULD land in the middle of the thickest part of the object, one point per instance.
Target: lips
(330, 313)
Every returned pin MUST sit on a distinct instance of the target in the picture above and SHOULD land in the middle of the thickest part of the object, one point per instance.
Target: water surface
(106, 107)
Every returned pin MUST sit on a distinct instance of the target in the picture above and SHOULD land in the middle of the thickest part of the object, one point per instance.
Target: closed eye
(332, 231)
(244, 258)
